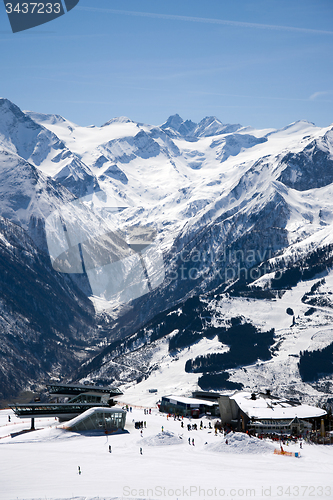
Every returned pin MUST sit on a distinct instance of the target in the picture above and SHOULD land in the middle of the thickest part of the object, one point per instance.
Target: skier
(140, 451)
(109, 448)
(193, 441)
(189, 440)
(162, 428)
(79, 470)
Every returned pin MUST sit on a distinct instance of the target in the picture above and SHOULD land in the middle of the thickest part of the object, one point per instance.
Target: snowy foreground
(44, 464)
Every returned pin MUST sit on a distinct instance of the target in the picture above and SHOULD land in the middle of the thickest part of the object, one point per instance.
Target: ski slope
(44, 464)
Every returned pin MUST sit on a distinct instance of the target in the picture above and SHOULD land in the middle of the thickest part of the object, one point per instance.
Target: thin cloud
(269, 98)
(208, 21)
(314, 96)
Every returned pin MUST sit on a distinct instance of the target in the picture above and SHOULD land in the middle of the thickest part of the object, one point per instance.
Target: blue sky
(264, 63)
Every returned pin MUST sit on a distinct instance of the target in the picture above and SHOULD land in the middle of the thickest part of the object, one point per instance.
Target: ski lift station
(94, 402)
(106, 419)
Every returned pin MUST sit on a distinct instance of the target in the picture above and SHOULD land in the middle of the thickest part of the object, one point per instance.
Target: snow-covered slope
(44, 463)
(21, 135)
(158, 355)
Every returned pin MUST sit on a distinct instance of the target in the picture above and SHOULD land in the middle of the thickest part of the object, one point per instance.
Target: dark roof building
(180, 405)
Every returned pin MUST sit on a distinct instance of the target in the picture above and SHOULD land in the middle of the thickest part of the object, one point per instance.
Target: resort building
(265, 413)
(192, 407)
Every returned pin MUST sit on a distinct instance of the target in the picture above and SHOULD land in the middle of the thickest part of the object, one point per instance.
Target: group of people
(129, 409)
(194, 427)
(140, 425)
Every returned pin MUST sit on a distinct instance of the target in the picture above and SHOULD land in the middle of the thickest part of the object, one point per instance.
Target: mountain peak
(210, 119)
(174, 122)
(45, 118)
(119, 119)
(208, 126)
(13, 112)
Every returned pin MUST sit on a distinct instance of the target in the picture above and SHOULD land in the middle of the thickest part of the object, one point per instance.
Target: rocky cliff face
(45, 323)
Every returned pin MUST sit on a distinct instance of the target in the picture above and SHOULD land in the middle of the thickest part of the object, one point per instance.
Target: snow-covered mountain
(227, 208)
(208, 127)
